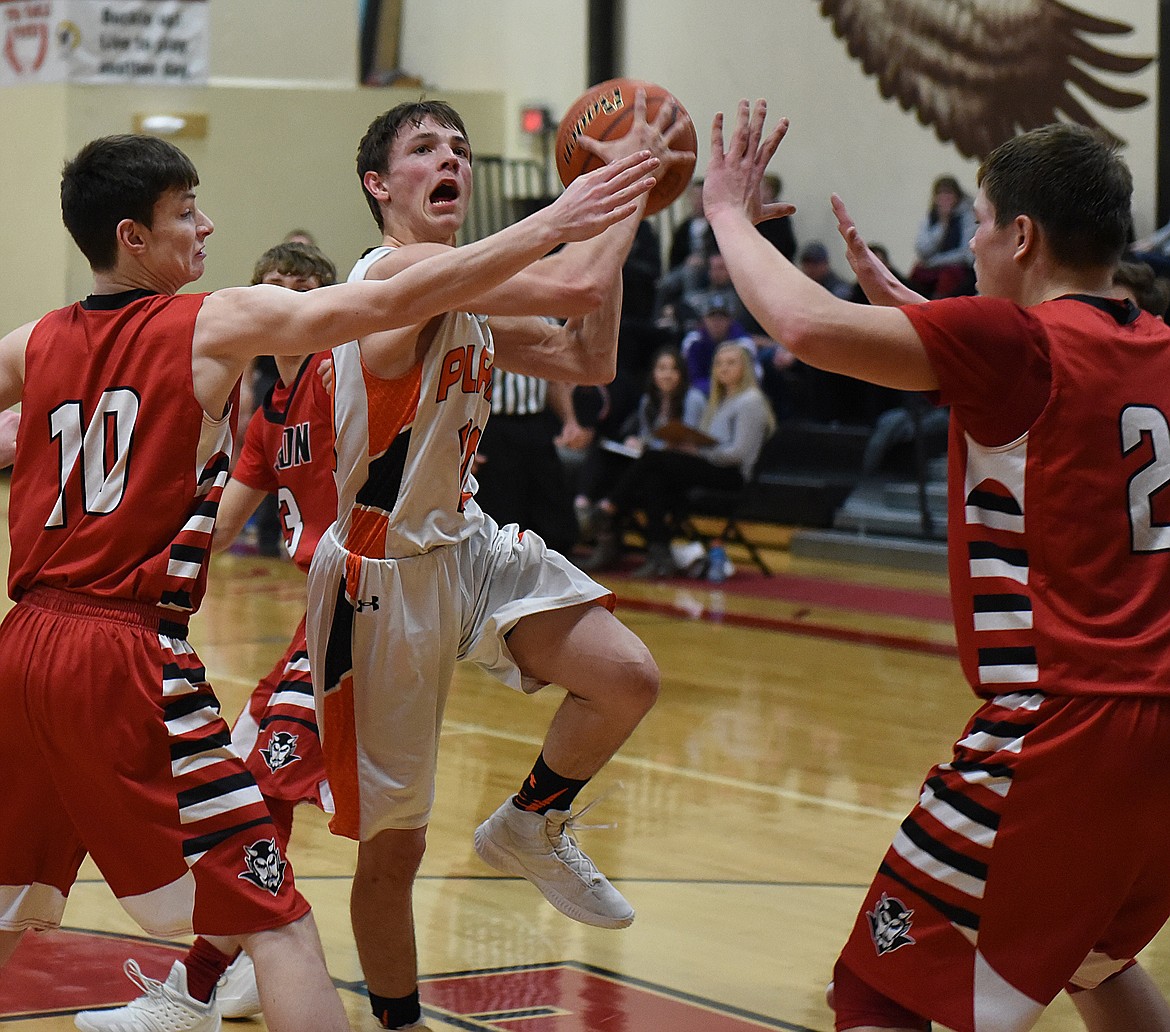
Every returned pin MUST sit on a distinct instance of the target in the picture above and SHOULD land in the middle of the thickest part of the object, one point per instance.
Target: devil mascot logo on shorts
(280, 750)
(265, 865)
(889, 924)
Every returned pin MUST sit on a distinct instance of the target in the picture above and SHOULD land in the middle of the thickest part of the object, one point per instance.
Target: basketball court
(748, 812)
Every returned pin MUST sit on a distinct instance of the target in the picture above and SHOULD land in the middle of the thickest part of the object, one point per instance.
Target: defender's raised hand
(735, 172)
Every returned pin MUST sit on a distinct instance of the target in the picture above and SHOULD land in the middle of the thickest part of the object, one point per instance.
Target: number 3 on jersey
(98, 452)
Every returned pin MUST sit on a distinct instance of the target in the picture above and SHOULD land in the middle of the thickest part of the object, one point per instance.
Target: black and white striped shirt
(515, 394)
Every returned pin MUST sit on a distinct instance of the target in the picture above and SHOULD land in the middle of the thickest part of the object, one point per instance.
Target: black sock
(545, 790)
(395, 1011)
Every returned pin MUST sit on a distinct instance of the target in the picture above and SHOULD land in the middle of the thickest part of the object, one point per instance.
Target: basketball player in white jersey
(414, 576)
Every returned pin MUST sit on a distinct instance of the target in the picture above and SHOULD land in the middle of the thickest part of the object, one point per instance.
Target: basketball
(606, 112)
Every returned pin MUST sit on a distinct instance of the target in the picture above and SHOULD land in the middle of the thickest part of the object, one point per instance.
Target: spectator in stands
(300, 236)
(686, 265)
(945, 266)
(780, 233)
(691, 235)
(717, 325)
(668, 397)
(1154, 250)
(815, 264)
(718, 284)
(738, 418)
(600, 411)
(1147, 290)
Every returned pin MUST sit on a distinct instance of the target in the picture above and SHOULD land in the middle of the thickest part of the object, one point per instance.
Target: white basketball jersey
(405, 446)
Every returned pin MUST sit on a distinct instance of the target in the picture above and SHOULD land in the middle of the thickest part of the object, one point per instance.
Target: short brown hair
(295, 260)
(1072, 182)
(374, 150)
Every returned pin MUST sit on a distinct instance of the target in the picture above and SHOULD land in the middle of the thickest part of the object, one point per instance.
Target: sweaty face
(175, 239)
(428, 182)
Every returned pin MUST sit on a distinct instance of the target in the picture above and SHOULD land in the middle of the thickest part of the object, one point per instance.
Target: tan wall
(285, 39)
(33, 246)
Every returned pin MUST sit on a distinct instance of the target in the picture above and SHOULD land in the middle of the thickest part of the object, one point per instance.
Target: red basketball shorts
(111, 743)
(277, 734)
(1036, 858)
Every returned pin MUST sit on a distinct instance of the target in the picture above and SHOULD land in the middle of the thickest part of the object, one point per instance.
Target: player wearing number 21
(414, 576)
(110, 737)
(1037, 856)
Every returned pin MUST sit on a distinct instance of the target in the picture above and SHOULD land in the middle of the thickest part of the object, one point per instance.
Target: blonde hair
(748, 381)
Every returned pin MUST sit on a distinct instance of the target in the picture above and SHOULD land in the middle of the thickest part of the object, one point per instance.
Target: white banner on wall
(151, 42)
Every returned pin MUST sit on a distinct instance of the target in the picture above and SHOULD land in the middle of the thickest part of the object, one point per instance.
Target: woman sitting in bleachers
(736, 423)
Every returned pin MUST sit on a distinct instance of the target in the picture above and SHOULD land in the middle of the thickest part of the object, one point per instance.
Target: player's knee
(391, 859)
(643, 681)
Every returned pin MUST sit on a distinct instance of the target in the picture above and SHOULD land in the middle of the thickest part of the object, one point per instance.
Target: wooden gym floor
(751, 807)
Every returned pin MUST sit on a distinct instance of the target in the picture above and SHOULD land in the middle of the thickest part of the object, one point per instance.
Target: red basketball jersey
(1059, 517)
(118, 470)
(288, 451)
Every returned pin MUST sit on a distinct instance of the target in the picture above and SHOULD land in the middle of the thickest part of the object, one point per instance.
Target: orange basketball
(606, 112)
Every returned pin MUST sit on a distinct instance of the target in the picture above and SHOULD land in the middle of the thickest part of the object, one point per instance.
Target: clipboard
(620, 448)
(677, 434)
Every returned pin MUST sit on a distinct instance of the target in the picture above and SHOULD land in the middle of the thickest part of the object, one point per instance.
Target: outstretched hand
(881, 286)
(734, 175)
(596, 200)
(658, 137)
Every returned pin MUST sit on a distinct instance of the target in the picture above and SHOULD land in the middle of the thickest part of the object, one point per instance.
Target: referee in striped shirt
(520, 475)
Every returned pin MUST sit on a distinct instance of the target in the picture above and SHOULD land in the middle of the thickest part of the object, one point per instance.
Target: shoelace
(152, 987)
(563, 839)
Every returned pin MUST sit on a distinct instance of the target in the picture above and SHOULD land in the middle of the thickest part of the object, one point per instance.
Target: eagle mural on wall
(979, 71)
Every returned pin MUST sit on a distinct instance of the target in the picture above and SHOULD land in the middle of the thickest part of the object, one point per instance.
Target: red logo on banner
(26, 45)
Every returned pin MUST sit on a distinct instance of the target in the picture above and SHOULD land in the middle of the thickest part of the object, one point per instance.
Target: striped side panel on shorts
(216, 795)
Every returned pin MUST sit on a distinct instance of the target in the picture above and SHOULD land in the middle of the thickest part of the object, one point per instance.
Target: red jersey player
(287, 452)
(1036, 857)
(110, 738)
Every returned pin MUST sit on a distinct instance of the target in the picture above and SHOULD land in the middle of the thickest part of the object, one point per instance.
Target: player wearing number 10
(110, 737)
(1036, 858)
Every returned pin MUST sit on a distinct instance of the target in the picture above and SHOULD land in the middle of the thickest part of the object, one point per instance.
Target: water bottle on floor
(716, 562)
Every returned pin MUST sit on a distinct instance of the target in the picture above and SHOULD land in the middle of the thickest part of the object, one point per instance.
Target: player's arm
(867, 342)
(12, 347)
(582, 351)
(238, 323)
(236, 506)
(9, 425)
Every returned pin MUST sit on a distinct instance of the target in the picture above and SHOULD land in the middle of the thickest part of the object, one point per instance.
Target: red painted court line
(65, 970)
(819, 591)
(571, 997)
(801, 627)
